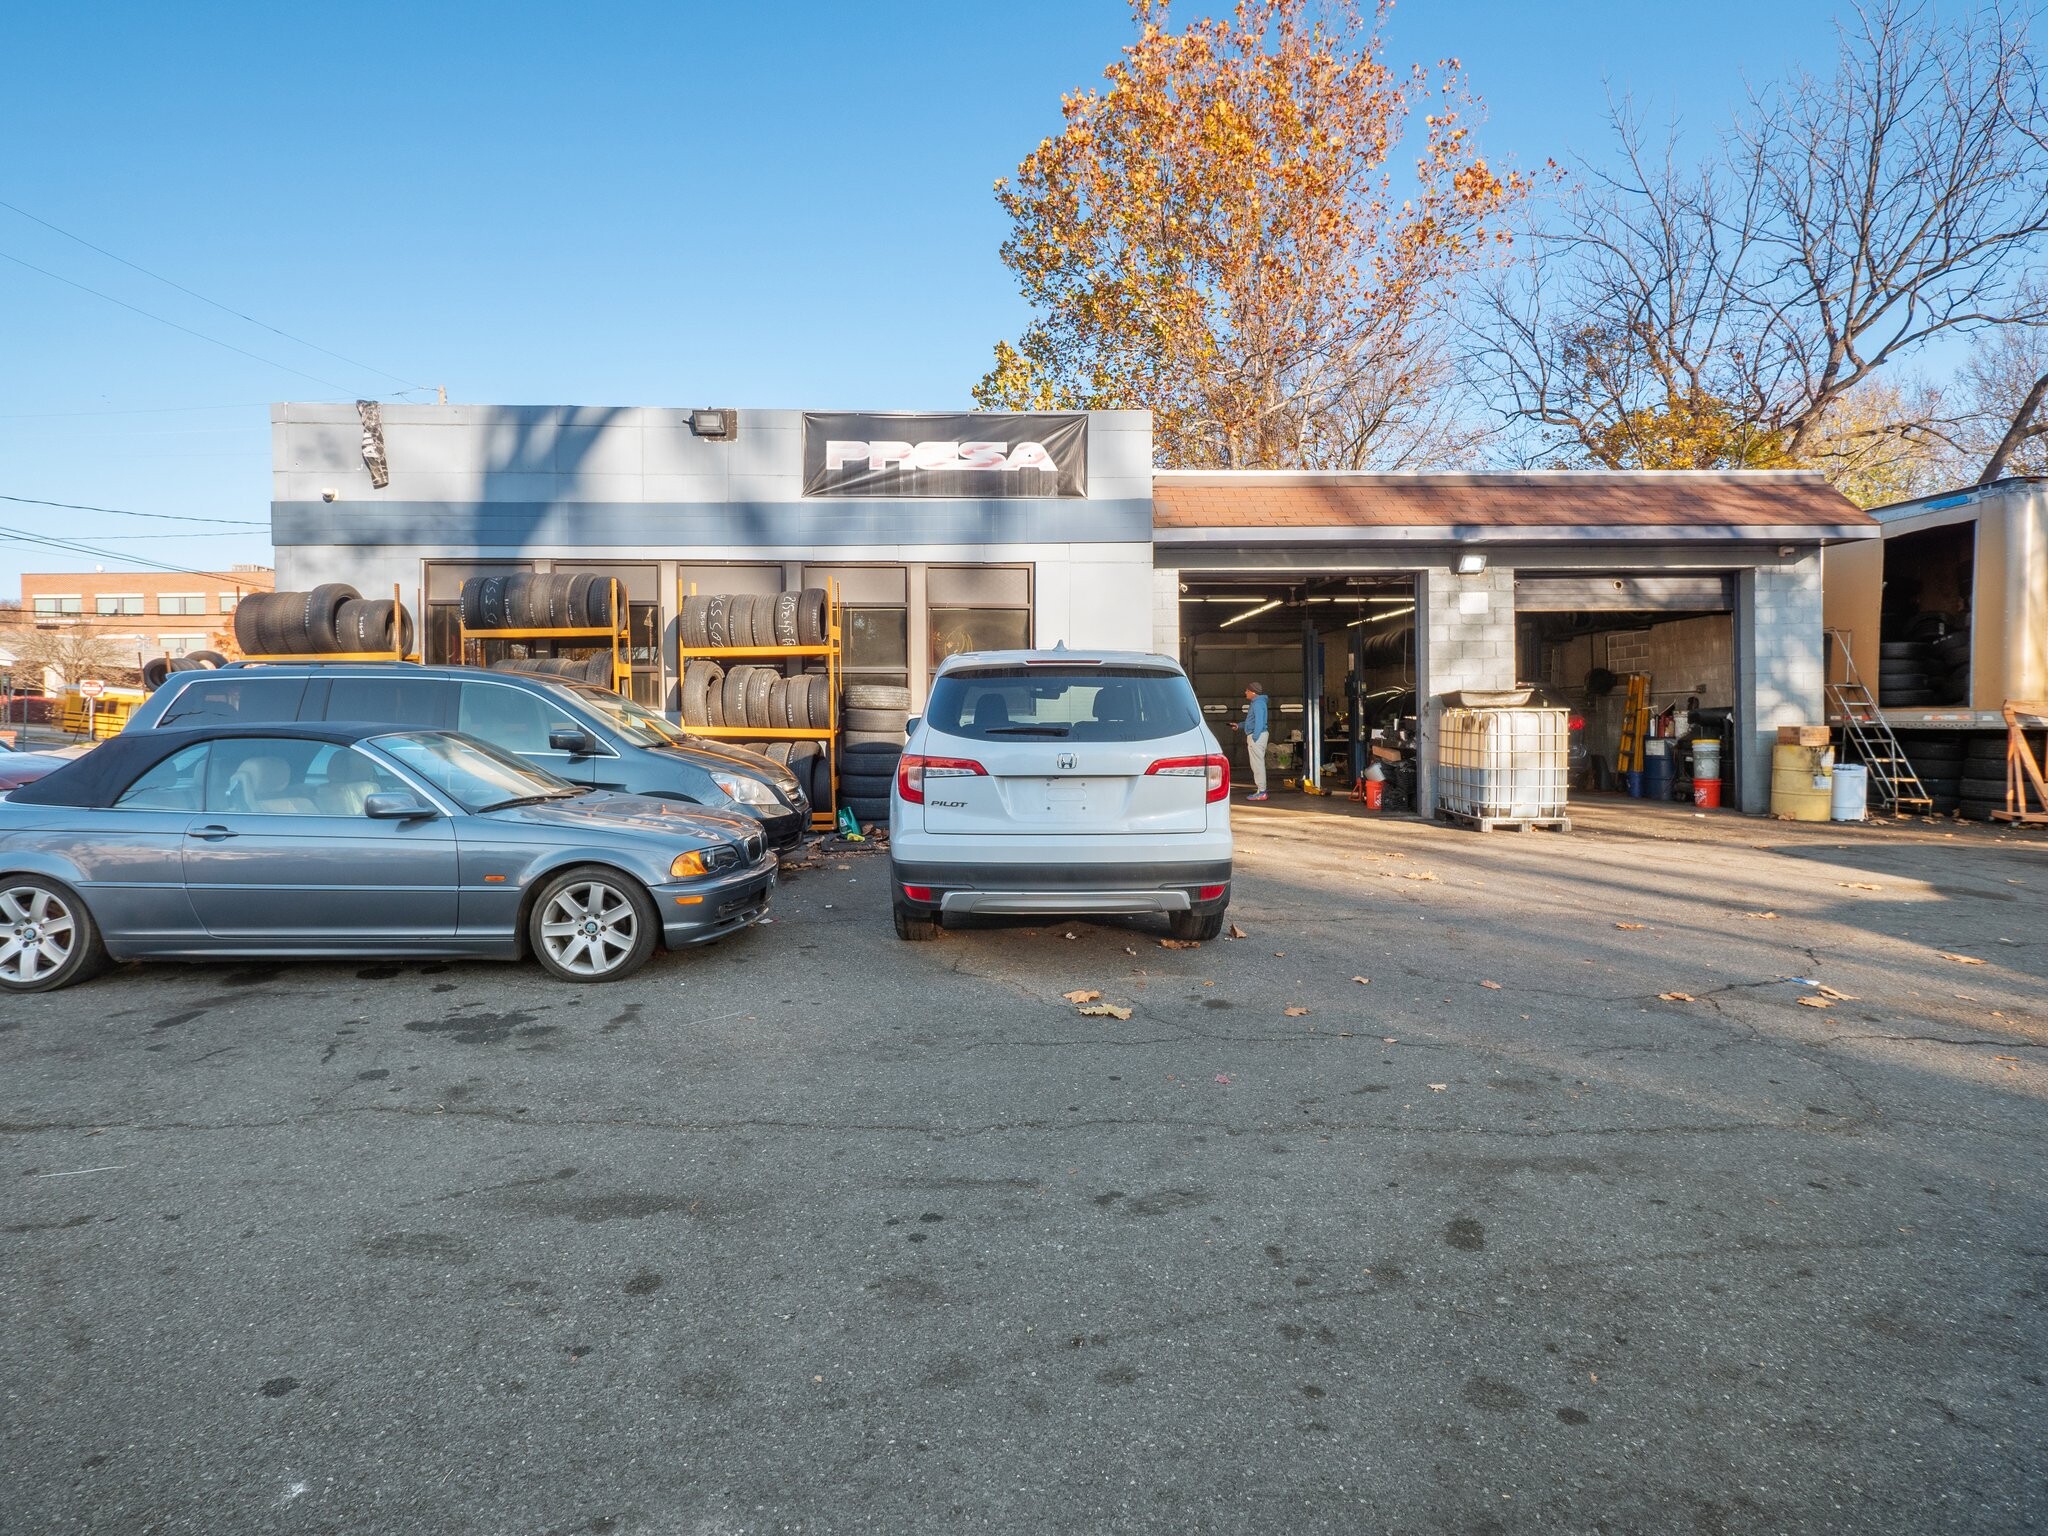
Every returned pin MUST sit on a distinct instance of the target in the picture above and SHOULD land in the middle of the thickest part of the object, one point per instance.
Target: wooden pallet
(2022, 773)
(1503, 823)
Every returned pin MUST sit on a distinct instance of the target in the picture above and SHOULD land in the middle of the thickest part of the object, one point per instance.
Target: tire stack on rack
(872, 717)
(331, 618)
(536, 600)
(157, 668)
(595, 668)
(757, 694)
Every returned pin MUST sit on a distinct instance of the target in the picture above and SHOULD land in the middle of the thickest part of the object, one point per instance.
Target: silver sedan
(312, 841)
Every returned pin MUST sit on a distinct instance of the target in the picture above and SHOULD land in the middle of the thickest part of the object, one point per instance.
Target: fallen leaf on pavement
(1814, 1002)
(1631, 927)
(1391, 1039)
(1772, 916)
(1677, 997)
(1491, 986)
(1180, 943)
(1418, 874)
(1840, 997)
(1438, 1087)
(1236, 933)
(1104, 1011)
(1858, 885)
(1960, 959)
(1080, 995)
(1295, 1013)
(1223, 1078)
(1363, 981)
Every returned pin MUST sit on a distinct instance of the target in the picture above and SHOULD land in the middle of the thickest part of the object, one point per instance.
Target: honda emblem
(1066, 760)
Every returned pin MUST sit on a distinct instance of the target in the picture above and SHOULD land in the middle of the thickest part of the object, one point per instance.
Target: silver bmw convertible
(305, 841)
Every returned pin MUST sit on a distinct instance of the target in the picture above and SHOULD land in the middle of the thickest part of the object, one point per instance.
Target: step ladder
(1870, 735)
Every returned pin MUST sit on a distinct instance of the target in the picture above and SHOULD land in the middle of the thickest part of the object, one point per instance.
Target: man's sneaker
(1259, 796)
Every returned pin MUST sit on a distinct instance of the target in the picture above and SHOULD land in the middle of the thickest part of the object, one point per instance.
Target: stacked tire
(536, 600)
(750, 621)
(873, 714)
(866, 774)
(157, 668)
(1924, 663)
(1983, 782)
(595, 669)
(1937, 760)
(330, 618)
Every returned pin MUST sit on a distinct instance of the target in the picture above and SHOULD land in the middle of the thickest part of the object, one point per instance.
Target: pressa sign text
(980, 454)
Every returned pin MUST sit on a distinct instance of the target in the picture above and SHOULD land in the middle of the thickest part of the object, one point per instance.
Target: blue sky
(634, 203)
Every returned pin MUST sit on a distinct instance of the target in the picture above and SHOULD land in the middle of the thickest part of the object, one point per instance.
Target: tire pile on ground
(757, 694)
(1962, 772)
(534, 600)
(332, 617)
(872, 717)
(1927, 666)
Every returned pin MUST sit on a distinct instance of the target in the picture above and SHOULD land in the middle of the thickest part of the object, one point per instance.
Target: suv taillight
(1215, 769)
(912, 769)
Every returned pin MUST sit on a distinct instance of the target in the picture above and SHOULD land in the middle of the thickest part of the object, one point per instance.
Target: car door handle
(212, 834)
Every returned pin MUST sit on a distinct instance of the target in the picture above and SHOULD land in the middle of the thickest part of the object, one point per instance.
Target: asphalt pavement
(1677, 1174)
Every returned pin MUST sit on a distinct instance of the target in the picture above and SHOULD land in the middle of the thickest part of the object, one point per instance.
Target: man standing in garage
(1254, 728)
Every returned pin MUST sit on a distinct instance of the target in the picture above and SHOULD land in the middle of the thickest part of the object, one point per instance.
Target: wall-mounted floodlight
(1249, 613)
(720, 426)
(1471, 563)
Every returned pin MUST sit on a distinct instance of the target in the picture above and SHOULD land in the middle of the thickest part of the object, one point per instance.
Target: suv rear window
(1053, 702)
(237, 699)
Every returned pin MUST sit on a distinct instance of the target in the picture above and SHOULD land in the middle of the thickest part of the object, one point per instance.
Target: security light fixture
(720, 426)
(1471, 563)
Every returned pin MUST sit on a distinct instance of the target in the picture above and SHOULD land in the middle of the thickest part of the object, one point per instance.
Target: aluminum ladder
(1877, 746)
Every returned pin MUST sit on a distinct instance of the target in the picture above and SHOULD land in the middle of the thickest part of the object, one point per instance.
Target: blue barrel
(1657, 776)
(1633, 779)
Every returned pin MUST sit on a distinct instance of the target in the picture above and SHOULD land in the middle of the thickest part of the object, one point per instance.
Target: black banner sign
(966, 454)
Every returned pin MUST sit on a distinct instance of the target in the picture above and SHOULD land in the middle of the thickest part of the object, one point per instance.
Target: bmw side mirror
(398, 807)
(572, 740)
(910, 726)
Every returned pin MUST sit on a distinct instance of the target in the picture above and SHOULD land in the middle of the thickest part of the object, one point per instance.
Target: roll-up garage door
(1624, 594)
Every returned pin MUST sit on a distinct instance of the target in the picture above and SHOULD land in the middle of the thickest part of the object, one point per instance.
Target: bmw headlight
(745, 790)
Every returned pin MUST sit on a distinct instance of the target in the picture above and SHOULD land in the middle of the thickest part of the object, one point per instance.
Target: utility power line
(160, 517)
(269, 362)
(202, 298)
(70, 546)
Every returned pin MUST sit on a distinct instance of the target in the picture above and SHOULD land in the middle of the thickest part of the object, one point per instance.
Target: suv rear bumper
(1060, 890)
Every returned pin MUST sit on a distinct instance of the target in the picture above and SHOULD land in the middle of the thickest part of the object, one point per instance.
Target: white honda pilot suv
(1055, 783)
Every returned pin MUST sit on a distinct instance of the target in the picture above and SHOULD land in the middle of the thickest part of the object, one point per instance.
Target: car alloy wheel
(589, 928)
(47, 938)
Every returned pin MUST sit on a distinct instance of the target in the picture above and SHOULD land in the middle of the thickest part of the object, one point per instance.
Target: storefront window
(877, 639)
(955, 630)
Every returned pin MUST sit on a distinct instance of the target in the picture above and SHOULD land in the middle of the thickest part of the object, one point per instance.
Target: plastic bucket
(1851, 792)
(1634, 779)
(1706, 794)
(1375, 793)
(1706, 758)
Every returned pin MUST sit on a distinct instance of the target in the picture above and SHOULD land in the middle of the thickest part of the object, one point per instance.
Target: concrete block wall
(1466, 639)
(1166, 612)
(1780, 674)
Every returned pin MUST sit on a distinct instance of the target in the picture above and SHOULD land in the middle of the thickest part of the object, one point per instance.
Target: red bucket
(1706, 794)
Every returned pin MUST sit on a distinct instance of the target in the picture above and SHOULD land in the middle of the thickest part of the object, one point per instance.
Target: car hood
(633, 813)
(725, 755)
(19, 768)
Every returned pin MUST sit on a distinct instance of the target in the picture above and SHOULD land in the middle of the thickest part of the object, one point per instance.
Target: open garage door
(1335, 655)
(1581, 638)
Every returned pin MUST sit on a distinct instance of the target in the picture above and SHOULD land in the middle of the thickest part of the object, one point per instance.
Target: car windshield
(475, 776)
(1068, 703)
(638, 724)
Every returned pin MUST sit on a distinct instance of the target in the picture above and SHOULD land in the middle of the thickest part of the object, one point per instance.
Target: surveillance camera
(329, 494)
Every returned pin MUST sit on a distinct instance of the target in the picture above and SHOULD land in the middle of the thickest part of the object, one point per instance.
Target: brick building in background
(144, 613)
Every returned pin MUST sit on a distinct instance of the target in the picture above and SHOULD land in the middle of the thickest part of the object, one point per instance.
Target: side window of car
(175, 784)
(388, 700)
(228, 699)
(508, 718)
(259, 776)
(340, 779)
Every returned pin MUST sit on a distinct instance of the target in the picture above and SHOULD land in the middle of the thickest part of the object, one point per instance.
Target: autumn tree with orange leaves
(1218, 235)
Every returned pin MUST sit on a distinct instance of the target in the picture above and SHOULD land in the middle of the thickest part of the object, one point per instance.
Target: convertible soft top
(96, 780)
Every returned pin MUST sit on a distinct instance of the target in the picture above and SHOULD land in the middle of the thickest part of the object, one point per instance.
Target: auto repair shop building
(1349, 596)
